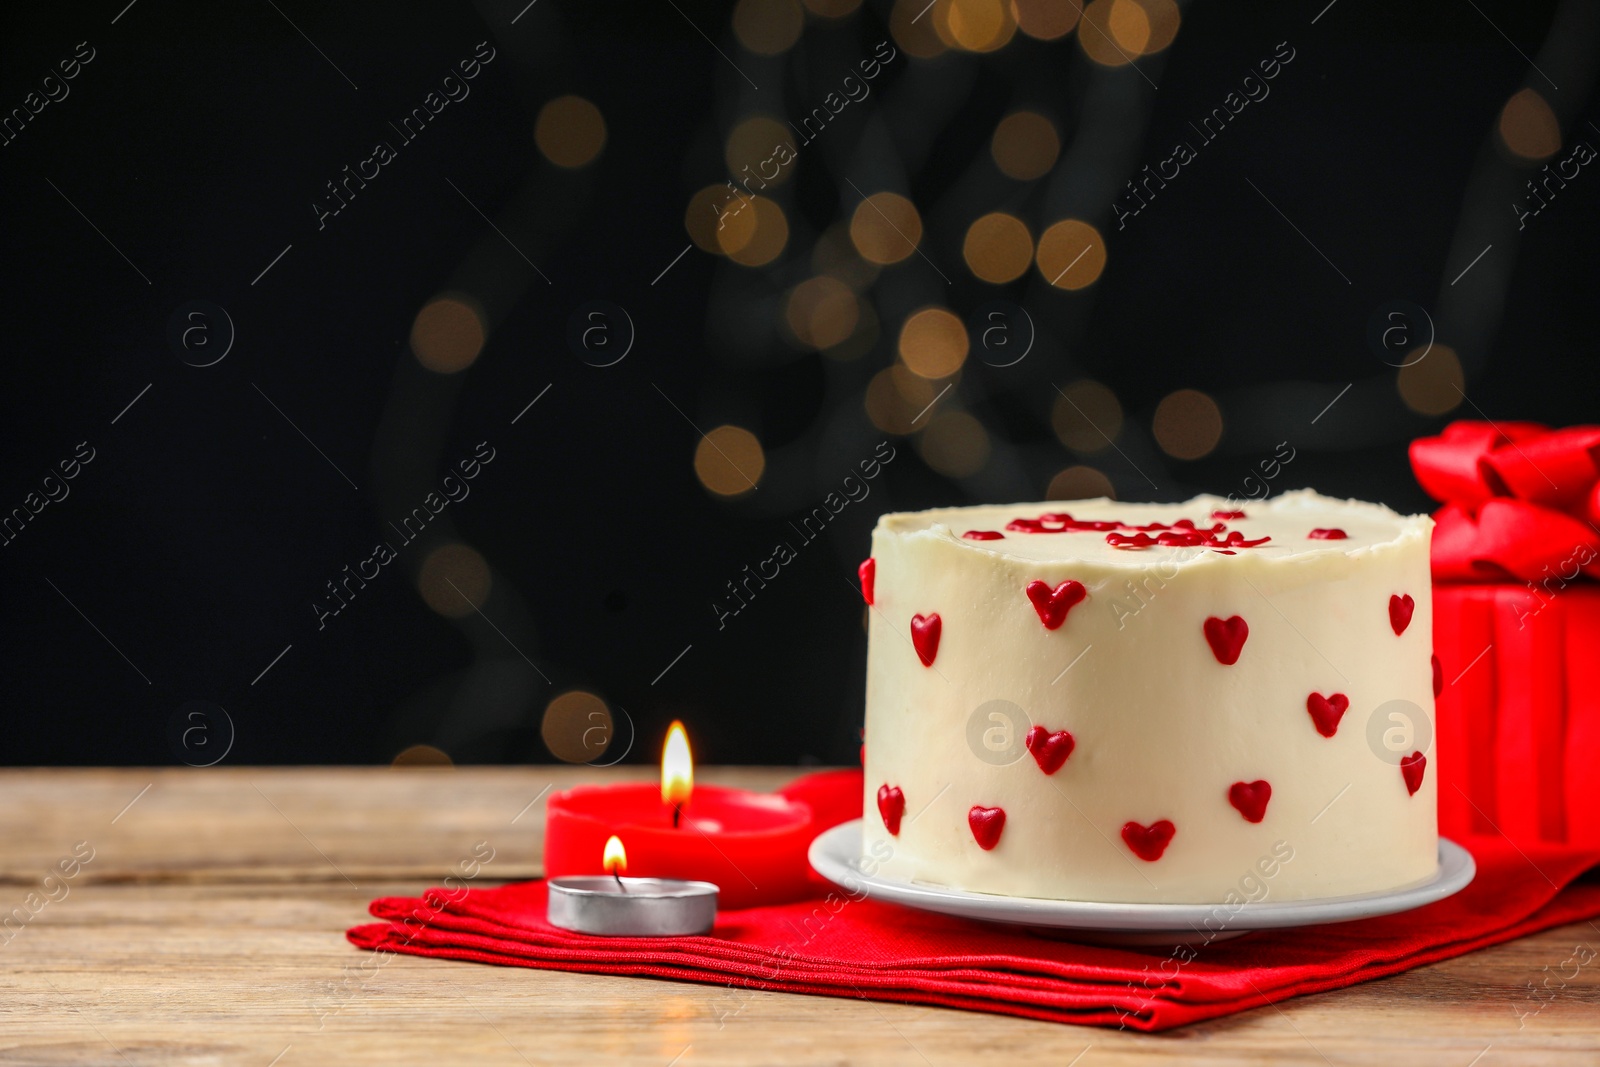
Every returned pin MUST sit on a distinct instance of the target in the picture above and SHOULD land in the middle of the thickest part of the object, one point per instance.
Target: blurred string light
(1025, 145)
(1086, 416)
(1187, 424)
(1528, 127)
(933, 343)
(998, 248)
(1114, 33)
(1080, 483)
(822, 312)
(913, 30)
(896, 398)
(955, 444)
(751, 144)
(1071, 254)
(729, 461)
(454, 580)
(974, 25)
(1434, 384)
(577, 726)
(448, 333)
(755, 235)
(768, 27)
(1046, 20)
(885, 228)
(570, 131)
(422, 756)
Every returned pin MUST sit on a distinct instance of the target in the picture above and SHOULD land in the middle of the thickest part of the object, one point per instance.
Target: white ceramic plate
(836, 854)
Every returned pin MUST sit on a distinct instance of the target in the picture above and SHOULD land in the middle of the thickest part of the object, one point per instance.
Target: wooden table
(209, 929)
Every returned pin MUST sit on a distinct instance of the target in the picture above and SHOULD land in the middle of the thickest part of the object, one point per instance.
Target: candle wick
(677, 813)
(618, 876)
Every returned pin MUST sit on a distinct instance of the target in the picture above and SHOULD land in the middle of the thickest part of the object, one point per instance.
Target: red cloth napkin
(836, 946)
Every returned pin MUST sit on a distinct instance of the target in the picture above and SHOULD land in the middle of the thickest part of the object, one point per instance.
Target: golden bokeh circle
(955, 444)
(1087, 416)
(729, 461)
(913, 30)
(998, 248)
(1528, 127)
(896, 398)
(1188, 424)
(822, 312)
(422, 756)
(1080, 483)
(1162, 19)
(1114, 32)
(1435, 383)
(1025, 145)
(1071, 254)
(768, 27)
(454, 580)
(1046, 20)
(570, 131)
(933, 343)
(755, 236)
(885, 228)
(975, 25)
(448, 333)
(707, 214)
(577, 727)
(751, 151)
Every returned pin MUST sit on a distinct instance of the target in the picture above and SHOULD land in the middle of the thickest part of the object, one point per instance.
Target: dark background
(191, 549)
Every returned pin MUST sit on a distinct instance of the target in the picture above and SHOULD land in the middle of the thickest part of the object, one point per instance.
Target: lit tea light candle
(752, 845)
(613, 906)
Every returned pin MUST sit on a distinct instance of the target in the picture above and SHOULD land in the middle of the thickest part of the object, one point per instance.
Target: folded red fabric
(838, 946)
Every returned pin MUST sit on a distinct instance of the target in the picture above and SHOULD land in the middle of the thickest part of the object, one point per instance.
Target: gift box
(1516, 555)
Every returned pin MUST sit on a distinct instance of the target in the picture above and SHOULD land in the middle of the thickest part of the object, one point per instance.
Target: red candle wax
(752, 845)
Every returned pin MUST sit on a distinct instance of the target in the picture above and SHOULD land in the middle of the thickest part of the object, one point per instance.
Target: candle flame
(677, 767)
(616, 858)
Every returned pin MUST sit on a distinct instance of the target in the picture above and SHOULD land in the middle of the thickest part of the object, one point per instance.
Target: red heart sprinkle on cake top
(891, 805)
(1148, 842)
(984, 535)
(1400, 609)
(986, 823)
(1053, 604)
(1438, 677)
(1327, 711)
(1411, 768)
(1250, 798)
(1227, 516)
(1050, 750)
(1226, 638)
(925, 637)
(1328, 533)
(869, 573)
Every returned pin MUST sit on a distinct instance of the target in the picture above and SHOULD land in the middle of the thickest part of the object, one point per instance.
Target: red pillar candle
(752, 845)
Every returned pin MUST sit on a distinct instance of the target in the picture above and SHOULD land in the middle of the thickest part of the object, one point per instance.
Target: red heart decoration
(1400, 609)
(868, 572)
(891, 805)
(1226, 637)
(1411, 768)
(986, 825)
(1148, 842)
(1250, 798)
(1050, 750)
(1438, 677)
(1053, 604)
(1327, 711)
(925, 636)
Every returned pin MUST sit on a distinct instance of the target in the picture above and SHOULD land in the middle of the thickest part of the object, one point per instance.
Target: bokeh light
(707, 213)
(975, 25)
(912, 29)
(933, 343)
(750, 152)
(1162, 18)
(1114, 32)
(896, 399)
(955, 444)
(1087, 416)
(1528, 126)
(885, 228)
(1025, 145)
(1188, 424)
(729, 461)
(422, 756)
(454, 580)
(577, 727)
(570, 131)
(1434, 384)
(1080, 483)
(1071, 254)
(755, 236)
(448, 334)
(822, 312)
(768, 27)
(1046, 20)
(998, 248)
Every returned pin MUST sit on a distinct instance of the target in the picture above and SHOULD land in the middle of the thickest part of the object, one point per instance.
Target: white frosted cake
(1195, 703)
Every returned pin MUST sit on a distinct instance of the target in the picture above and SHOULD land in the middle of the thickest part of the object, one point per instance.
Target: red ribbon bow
(1520, 500)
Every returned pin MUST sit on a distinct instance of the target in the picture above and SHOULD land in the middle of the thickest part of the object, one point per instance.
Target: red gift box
(1516, 628)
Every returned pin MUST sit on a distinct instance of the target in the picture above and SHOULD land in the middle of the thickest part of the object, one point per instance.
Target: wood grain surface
(209, 929)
